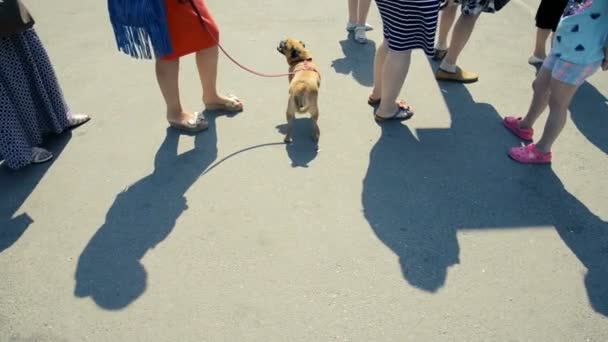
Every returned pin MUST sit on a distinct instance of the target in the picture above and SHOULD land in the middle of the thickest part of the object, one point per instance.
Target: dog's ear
(303, 45)
(295, 53)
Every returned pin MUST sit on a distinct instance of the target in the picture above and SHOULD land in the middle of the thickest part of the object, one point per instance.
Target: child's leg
(540, 99)
(559, 101)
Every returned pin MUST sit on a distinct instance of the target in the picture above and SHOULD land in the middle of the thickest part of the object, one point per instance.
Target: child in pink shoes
(579, 50)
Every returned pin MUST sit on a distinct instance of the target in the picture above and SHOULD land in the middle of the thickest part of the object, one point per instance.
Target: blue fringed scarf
(140, 27)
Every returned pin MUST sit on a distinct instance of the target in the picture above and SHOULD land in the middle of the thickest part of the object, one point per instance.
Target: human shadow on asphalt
(16, 186)
(358, 60)
(303, 149)
(109, 269)
(589, 111)
(420, 190)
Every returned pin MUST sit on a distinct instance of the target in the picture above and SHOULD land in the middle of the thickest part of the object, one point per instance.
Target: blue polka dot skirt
(31, 101)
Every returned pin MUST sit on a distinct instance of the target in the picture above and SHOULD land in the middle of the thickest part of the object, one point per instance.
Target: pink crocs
(512, 124)
(530, 155)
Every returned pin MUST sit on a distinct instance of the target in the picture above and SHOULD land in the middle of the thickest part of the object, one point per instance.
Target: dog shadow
(421, 189)
(358, 60)
(589, 111)
(109, 269)
(303, 149)
(17, 185)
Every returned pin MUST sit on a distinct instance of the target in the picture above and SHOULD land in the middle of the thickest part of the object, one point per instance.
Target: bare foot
(222, 102)
(192, 122)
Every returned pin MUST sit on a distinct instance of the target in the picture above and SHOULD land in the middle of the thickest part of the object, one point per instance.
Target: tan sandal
(459, 76)
(232, 104)
(196, 124)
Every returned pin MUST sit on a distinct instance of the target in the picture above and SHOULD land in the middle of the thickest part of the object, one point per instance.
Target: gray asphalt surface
(423, 231)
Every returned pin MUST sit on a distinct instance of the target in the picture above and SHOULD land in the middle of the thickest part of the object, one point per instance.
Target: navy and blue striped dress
(410, 24)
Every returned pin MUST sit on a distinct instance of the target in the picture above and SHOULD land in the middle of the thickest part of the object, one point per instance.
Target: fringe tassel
(140, 27)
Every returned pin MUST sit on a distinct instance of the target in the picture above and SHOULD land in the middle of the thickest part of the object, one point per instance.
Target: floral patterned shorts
(475, 7)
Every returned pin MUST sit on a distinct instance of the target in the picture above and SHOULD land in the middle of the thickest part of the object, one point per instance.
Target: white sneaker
(360, 36)
(535, 60)
(350, 26)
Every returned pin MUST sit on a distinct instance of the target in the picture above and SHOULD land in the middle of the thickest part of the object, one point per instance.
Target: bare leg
(559, 101)
(363, 11)
(448, 16)
(540, 100)
(206, 62)
(352, 11)
(462, 32)
(379, 61)
(541, 42)
(394, 73)
(167, 75)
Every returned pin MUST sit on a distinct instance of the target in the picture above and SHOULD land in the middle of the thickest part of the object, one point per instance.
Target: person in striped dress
(407, 25)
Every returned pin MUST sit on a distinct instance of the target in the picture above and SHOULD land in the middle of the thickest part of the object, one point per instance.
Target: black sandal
(404, 112)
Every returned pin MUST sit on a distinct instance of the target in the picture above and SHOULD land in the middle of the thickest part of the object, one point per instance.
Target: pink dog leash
(200, 18)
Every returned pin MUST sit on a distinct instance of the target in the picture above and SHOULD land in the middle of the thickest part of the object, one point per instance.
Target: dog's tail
(300, 93)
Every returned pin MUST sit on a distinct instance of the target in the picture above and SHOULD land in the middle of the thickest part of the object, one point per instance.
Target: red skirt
(187, 33)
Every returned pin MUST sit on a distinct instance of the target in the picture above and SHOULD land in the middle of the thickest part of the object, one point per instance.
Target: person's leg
(448, 70)
(352, 11)
(379, 61)
(559, 101)
(394, 73)
(167, 75)
(540, 99)
(460, 37)
(448, 16)
(207, 63)
(363, 11)
(541, 42)
(361, 27)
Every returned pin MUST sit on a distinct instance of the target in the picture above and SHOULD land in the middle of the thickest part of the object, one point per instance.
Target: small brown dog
(304, 83)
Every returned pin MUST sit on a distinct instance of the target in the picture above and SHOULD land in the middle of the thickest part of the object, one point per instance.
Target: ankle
(543, 148)
(383, 111)
(175, 114)
(441, 46)
(212, 98)
(375, 94)
(523, 124)
(446, 66)
(539, 55)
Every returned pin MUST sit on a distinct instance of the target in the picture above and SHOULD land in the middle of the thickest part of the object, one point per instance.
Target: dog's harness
(306, 66)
